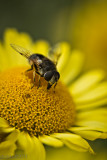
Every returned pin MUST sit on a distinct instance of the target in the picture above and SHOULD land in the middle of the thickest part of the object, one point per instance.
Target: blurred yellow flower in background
(85, 27)
(29, 118)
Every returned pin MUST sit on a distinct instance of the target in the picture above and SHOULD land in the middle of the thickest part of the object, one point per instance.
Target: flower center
(38, 110)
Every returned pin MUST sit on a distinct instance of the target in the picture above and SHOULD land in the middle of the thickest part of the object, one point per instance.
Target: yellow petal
(39, 149)
(14, 58)
(8, 147)
(101, 115)
(6, 130)
(63, 60)
(13, 136)
(3, 58)
(89, 134)
(73, 67)
(95, 94)
(86, 82)
(40, 46)
(103, 136)
(74, 141)
(4, 126)
(86, 128)
(95, 104)
(51, 141)
(21, 39)
(101, 126)
(25, 142)
(3, 123)
(32, 147)
(13, 36)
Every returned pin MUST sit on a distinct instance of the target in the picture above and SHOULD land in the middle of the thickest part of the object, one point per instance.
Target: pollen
(34, 110)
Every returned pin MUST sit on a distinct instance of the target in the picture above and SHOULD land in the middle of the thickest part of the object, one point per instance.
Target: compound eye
(57, 75)
(48, 75)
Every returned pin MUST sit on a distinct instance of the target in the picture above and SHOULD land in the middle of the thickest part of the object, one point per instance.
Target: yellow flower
(29, 118)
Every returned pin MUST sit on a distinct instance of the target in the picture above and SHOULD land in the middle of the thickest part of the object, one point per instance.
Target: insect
(41, 65)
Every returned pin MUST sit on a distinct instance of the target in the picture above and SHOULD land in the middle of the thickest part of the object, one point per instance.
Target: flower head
(35, 110)
(30, 117)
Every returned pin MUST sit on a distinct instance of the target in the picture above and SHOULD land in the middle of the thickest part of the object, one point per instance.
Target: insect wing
(55, 53)
(26, 53)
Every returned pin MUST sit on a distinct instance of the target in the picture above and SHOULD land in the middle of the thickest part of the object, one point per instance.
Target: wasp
(41, 65)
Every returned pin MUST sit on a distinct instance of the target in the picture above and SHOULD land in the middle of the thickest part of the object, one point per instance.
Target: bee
(41, 65)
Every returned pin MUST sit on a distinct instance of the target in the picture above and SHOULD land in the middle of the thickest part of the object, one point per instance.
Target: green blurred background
(83, 23)
(80, 22)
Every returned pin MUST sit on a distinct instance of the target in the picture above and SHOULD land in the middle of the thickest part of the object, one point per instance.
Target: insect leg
(30, 69)
(34, 75)
(49, 86)
(33, 79)
(55, 86)
(39, 81)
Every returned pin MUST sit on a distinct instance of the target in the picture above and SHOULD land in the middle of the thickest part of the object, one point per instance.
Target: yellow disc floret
(34, 110)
